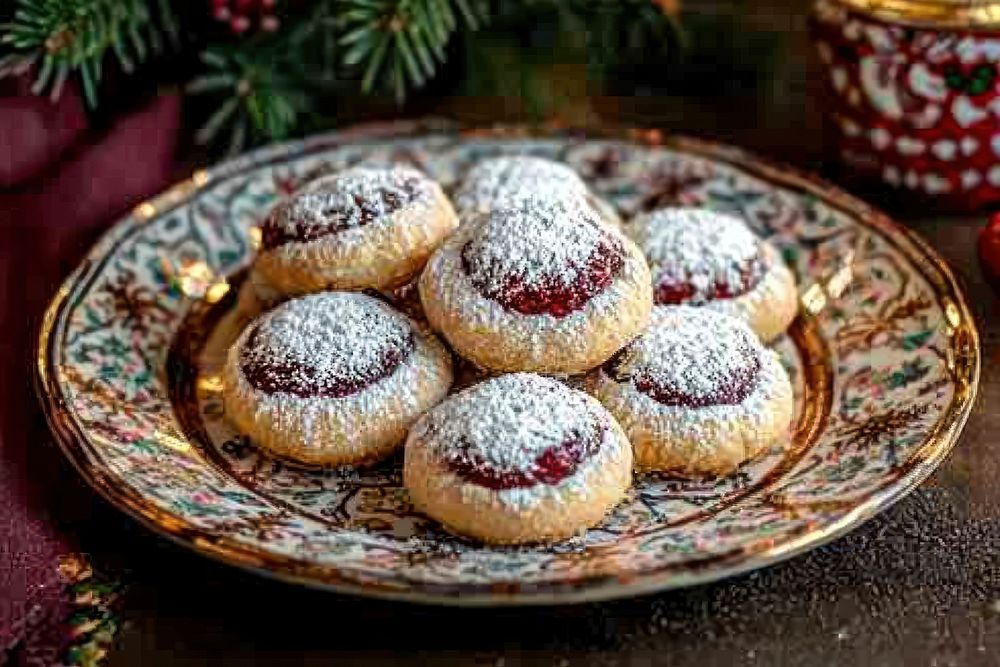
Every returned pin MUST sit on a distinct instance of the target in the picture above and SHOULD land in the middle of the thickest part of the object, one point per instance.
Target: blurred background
(256, 71)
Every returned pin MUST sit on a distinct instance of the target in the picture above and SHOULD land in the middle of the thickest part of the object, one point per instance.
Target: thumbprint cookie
(696, 393)
(506, 181)
(542, 286)
(333, 378)
(701, 258)
(360, 228)
(519, 458)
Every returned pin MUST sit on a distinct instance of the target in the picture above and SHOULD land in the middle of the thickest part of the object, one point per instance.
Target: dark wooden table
(919, 585)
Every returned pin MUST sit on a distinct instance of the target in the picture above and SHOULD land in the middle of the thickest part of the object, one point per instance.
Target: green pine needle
(269, 87)
(70, 36)
(272, 85)
(260, 91)
(401, 42)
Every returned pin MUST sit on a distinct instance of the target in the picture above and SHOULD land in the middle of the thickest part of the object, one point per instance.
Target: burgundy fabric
(60, 185)
(35, 131)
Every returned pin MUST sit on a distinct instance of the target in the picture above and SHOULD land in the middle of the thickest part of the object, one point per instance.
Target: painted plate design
(885, 362)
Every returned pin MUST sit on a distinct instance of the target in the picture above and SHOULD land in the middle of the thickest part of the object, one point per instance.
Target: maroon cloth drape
(61, 184)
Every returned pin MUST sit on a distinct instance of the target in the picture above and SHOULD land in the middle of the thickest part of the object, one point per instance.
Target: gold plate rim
(980, 17)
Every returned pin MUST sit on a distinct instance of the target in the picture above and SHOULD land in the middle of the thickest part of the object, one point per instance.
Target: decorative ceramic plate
(885, 362)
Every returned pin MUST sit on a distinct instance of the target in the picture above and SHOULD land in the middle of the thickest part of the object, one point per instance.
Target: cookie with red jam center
(362, 228)
(333, 378)
(518, 458)
(698, 257)
(352, 200)
(553, 266)
(541, 286)
(697, 392)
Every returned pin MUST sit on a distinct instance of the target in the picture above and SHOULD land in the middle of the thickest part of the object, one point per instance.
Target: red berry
(239, 24)
(989, 250)
(246, 15)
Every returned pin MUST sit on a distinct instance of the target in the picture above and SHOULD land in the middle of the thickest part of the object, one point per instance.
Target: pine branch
(261, 93)
(65, 37)
(271, 86)
(401, 41)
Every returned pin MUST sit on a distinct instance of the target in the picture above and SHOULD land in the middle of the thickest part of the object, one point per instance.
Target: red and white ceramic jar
(914, 94)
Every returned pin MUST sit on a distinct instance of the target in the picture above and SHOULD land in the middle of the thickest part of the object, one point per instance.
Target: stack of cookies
(659, 321)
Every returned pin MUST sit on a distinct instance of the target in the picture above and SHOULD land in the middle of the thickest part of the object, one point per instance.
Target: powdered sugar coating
(347, 428)
(505, 181)
(706, 252)
(328, 344)
(383, 254)
(691, 357)
(712, 438)
(496, 337)
(540, 246)
(507, 424)
(347, 200)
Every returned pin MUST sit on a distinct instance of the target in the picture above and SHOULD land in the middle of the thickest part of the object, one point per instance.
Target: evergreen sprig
(270, 86)
(401, 42)
(63, 37)
(265, 86)
(261, 93)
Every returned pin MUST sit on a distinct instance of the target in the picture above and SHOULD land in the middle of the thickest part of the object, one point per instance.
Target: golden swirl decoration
(950, 14)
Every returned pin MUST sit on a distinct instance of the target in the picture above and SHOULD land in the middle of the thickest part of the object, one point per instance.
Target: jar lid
(953, 14)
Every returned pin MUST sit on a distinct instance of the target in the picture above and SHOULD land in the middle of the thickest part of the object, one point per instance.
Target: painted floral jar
(913, 94)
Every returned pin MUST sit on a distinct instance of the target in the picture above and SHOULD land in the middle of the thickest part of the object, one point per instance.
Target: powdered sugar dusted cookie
(509, 180)
(539, 286)
(697, 392)
(701, 258)
(360, 228)
(333, 378)
(518, 458)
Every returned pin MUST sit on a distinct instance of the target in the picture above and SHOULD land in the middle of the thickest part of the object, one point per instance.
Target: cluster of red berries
(245, 15)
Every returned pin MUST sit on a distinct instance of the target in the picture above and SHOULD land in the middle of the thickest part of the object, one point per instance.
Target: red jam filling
(278, 229)
(279, 376)
(550, 296)
(670, 291)
(550, 467)
(733, 391)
